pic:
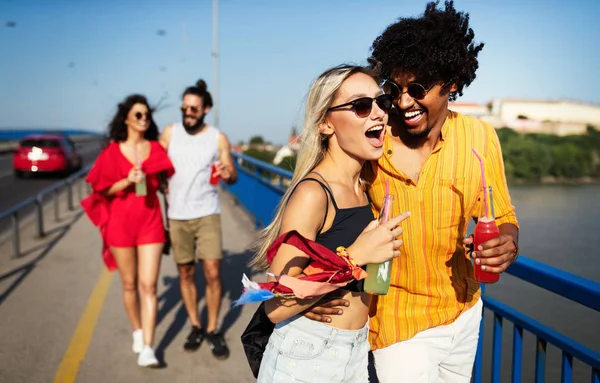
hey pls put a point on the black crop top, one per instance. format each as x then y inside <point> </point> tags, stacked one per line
<point>347,225</point>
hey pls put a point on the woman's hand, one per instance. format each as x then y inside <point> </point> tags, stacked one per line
<point>378,242</point>
<point>135,175</point>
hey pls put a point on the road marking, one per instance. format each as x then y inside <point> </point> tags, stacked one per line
<point>69,366</point>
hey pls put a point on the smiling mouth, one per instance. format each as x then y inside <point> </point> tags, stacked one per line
<point>374,132</point>
<point>375,135</point>
<point>413,114</point>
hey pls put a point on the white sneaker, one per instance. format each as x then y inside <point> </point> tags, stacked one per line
<point>138,341</point>
<point>147,358</point>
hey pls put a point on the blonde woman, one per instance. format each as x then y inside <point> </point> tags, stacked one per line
<point>344,126</point>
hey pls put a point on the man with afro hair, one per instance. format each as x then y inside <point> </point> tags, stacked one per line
<point>426,328</point>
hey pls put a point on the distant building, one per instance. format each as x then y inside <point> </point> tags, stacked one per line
<point>559,117</point>
<point>237,148</point>
<point>294,141</point>
<point>288,150</point>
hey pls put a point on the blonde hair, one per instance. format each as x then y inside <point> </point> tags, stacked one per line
<point>313,146</point>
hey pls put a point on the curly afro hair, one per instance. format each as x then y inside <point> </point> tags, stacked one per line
<point>437,47</point>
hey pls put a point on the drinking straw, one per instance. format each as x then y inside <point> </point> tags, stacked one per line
<point>485,198</point>
<point>386,200</point>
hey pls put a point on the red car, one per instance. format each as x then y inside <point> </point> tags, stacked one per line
<point>46,153</point>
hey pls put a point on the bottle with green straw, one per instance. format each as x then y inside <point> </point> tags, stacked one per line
<point>378,279</point>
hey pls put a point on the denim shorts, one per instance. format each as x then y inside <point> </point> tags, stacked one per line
<point>301,350</point>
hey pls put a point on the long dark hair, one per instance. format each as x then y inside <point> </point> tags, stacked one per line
<point>117,129</point>
<point>200,90</point>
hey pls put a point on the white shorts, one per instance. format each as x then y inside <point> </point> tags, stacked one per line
<point>443,354</point>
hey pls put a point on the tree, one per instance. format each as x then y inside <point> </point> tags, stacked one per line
<point>525,158</point>
<point>261,155</point>
<point>570,161</point>
<point>257,140</point>
<point>504,134</point>
<point>288,163</point>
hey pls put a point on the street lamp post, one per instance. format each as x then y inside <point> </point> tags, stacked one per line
<point>215,55</point>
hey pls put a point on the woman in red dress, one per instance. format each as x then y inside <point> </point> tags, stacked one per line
<point>125,206</point>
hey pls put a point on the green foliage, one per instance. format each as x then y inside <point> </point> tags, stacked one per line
<point>262,155</point>
<point>288,163</point>
<point>256,140</point>
<point>527,159</point>
<point>570,161</point>
<point>535,156</point>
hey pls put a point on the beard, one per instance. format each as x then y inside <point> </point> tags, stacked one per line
<point>418,133</point>
<point>414,133</point>
<point>192,127</point>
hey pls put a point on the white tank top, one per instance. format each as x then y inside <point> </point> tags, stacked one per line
<point>190,193</point>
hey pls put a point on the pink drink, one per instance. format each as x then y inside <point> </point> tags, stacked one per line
<point>485,230</point>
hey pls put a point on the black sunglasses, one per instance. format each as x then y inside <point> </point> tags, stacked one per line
<point>362,106</point>
<point>138,115</point>
<point>194,109</point>
<point>414,90</point>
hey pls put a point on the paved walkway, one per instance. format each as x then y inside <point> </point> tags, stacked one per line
<point>62,317</point>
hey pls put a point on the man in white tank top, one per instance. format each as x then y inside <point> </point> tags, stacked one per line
<point>200,153</point>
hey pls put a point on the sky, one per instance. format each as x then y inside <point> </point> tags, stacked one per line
<point>67,63</point>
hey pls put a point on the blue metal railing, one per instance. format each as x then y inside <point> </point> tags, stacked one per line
<point>260,187</point>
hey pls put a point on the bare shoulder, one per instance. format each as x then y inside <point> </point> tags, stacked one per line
<point>308,193</point>
<point>223,138</point>
<point>306,209</point>
<point>168,129</point>
<point>165,136</point>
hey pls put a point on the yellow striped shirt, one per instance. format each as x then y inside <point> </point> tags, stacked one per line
<point>432,281</point>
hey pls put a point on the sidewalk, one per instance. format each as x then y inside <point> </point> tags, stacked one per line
<point>45,303</point>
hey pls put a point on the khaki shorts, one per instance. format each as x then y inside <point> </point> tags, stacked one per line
<point>199,237</point>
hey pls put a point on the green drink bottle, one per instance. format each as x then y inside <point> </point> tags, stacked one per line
<point>378,279</point>
<point>140,187</point>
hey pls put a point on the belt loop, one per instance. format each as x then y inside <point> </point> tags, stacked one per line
<point>331,338</point>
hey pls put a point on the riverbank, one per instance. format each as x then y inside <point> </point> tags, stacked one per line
<point>555,181</point>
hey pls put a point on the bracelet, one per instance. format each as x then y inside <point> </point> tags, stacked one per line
<point>343,252</point>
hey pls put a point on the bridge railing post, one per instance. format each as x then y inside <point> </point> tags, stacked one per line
<point>80,189</point>
<point>16,236</point>
<point>56,207</point>
<point>39,204</point>
<point>69,184</point>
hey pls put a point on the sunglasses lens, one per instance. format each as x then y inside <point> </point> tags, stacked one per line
<point>139,115</point>
<point>385,102</point>
<point>362,106</point>
<point>391,88</point>
<point>416,91</point>
<point>193,109</point>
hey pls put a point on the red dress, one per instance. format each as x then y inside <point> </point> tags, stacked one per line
<point>125,219</point>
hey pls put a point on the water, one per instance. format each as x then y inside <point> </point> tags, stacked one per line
<point>560,226</point>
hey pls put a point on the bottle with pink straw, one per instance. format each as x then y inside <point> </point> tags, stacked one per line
<point>486,227</point>
<point>378,279</point>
